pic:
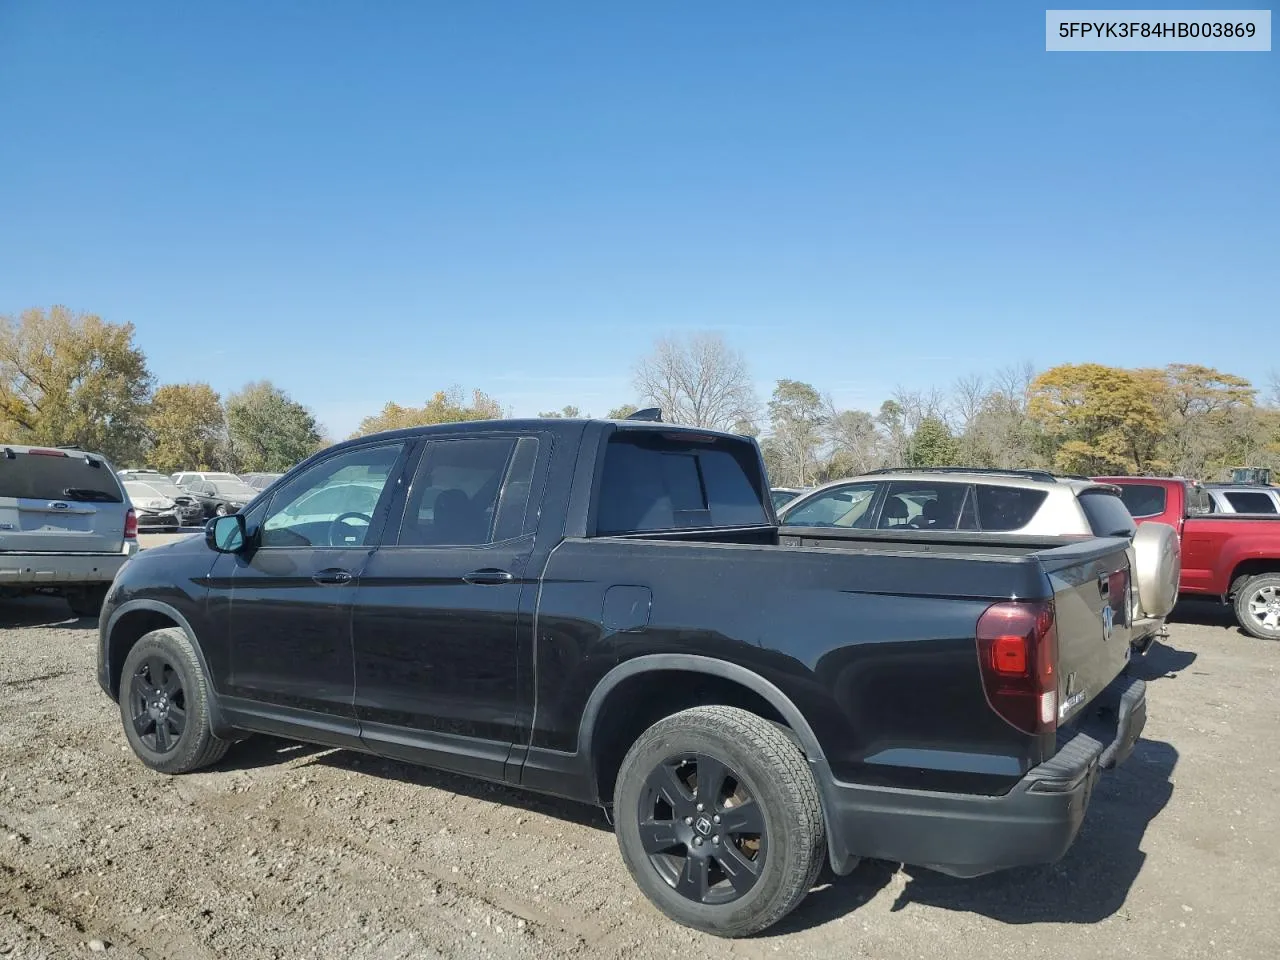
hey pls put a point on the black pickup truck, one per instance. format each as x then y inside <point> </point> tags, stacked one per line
<point>606,611</point>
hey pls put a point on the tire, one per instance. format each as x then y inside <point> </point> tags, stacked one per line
<point>220,510</point>
<point>87,601</point>
<point>659,822</point>
<point>1257,603</point>
<point>162,671</point>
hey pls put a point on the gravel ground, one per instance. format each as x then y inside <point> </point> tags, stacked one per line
<point>285,850</point>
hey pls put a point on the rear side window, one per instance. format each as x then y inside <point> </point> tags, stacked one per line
<point>1007,508</point>
<point>1108,516</point>
<point>1251,502</point>
<point>37,476</point>
<point>656,481</point>
<point>1143,499</point>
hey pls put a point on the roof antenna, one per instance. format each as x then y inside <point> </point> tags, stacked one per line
<point>652,414</point>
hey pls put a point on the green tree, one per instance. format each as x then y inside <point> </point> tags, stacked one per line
<point>569,412</point>
<point>792,449</point>
<point>72,379</point>
<point>1103,419</point>
<point>268,431</point>
<point>446,406</point>
<point>186,426</point>
<point>622,412</point>
<point>932,445</point>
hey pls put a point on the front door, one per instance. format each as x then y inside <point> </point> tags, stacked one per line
<point>436,615</point>
<point>289,616</point>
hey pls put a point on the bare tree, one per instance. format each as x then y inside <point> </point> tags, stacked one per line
<point>1275,388</point>
<point>856,445</point>
<point>967,397</point>
<point>699,380</point>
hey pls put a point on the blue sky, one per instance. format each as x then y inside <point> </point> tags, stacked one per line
<point>369,202</point>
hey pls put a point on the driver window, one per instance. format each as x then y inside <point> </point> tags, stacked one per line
<point>332,503</point>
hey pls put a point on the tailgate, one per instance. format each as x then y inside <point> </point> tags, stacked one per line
<point>54,502</point>
<point>1091,586</point>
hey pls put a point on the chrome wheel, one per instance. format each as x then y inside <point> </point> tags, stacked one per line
<point>1264,605</point>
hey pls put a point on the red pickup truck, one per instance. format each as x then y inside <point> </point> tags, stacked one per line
<point>1232,556</point>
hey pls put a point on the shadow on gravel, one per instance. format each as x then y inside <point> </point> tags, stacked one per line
<point>42,612</point>
<point>1093,880</point>
<point>579,813</point>
<point>1161,662</point>
<point>262,750</point>
<point>1205,613</point>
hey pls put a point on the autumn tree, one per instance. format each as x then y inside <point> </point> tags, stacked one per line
<point>1103,419</point>
<point>269,431</point>
<point>1204,412</point>
<point>792,449</point>
<point>699,380</point>
<point>186,428</point>
<point>72,379</point>
<point>446,406</point>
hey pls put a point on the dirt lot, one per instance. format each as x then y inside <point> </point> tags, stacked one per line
<point>285,851</point>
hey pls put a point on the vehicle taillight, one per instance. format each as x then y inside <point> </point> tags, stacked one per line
<point>131,525</point>
<point>1018,655</point>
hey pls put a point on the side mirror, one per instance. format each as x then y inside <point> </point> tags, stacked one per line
<point>226,534</point>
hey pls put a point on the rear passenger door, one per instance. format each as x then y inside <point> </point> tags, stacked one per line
<point>437,613</point>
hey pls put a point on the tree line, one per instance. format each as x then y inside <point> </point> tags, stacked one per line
<point>76,379</point>
<point>70,379</point>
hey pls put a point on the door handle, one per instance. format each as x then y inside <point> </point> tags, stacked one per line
<point>333,575</point>
<point>488,575</point>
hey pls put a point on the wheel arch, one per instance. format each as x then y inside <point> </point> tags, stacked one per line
<point>601,764</point>
<point>133,620</point>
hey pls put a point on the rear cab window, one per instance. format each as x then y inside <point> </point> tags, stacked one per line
<point>1107,514</point>
<point>654,480</point>
<point>57,476</point>
<point>1144,499</point>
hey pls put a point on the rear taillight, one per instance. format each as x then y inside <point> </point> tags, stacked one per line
<point>131,525</point>
<point>1018,654</point>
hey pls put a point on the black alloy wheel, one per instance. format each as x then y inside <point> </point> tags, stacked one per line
<point>703,831</point>
<point>158,704</point>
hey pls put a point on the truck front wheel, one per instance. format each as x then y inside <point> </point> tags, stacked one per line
<point>719,821</point>
<point>1258,606</point>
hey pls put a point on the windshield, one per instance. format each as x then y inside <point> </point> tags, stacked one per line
<point>143,491</point>
<point>161,485</point>
<point>234,488</point>
<point>57,477</point>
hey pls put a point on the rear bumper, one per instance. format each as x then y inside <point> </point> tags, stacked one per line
<point>967,835</point>
<point>29,570</point>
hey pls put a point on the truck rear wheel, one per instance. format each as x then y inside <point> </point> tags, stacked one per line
<point>719,821</point>
<point>1258,606</point>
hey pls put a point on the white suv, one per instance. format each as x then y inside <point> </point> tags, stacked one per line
<point>950,501</point>
<point>66,525</point>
